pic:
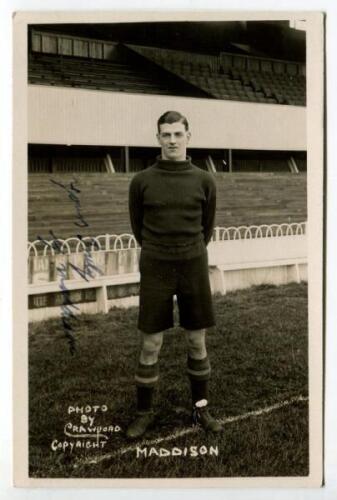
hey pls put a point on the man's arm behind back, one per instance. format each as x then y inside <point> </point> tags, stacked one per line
<point>209,208</point>
<point>136,207</point>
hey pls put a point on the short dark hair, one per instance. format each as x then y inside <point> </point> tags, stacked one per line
<point>172,117</point>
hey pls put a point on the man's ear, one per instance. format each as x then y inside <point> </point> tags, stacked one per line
<point>188,135</point>
<point>158,137</point>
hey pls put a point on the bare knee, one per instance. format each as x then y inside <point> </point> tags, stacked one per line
<point>151,345</point>
<point>196,343</point>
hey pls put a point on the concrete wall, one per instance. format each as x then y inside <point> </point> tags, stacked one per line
<point>59,115</point>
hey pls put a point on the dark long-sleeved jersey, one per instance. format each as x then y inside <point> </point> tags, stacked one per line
<point>172,208</point>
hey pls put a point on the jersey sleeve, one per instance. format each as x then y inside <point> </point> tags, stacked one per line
<point>209,208</point>
<point>136,208</point>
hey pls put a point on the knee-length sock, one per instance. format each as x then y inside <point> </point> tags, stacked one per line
<point>146,380</point>
<point>199,371</point>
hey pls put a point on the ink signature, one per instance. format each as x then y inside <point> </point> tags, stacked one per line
<point>68,308</point>
<point>72,190</point>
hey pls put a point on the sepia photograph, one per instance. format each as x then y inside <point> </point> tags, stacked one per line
<point>170,321</point>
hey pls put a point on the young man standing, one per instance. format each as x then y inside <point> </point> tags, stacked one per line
<point>172,211</point>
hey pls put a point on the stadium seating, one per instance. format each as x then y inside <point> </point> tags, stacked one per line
<point>224,80</point>
<point>243,199</point>
<point>66,71</point>
<point>58,61</point>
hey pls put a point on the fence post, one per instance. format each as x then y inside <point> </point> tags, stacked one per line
<point>298,275</point>
<point>217,233</point>
<point>223,281</point>
<point>102,299</point>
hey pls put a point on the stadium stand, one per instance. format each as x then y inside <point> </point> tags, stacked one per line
<point>254,186</point>
<point>243,199</point>
<point>95,64</point>
<point>59,159</point>
<point>229,76</point>
<point>67,71</point>
<point>253,97</point>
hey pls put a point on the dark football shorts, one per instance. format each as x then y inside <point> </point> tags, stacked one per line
<point>161,279</point>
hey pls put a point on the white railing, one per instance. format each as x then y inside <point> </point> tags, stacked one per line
<point>261,231</point>
<point>126,241</point>
<point>106,264</point>
<point>105,242</point>
<point>248,255</point>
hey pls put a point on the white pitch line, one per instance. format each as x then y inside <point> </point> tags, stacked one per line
<point>183,432</point>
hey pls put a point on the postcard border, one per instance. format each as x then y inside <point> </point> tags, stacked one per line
<point>315,136</point>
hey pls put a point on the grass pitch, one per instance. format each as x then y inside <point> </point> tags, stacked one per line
<point>258,353</point>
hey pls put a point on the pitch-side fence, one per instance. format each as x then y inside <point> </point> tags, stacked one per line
<point>93,274</point>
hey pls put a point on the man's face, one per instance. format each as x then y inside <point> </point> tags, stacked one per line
<point>173,138</point>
